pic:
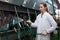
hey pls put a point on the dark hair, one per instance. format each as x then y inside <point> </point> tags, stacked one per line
<point>45,5</point>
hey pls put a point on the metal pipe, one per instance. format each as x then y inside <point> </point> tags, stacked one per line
<point>18,33</point>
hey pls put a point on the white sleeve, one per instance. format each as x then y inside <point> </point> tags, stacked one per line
<point>35,23</point>
<point>52,23</point>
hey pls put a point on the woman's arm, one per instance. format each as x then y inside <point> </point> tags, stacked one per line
<point>34,24</point>
<point>52,23</point>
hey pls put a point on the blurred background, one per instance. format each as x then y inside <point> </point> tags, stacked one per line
<point>13,12</point>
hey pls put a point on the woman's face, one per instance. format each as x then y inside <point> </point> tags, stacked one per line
<point>42,8</point>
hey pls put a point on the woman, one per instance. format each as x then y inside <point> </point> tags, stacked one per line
<point>44,22</point>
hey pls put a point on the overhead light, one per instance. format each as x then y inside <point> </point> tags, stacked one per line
<point>7,0</point>
<point>24,2</point>
<point>34,5</point>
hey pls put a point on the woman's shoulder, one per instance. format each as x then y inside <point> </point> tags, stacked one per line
<point>49,15</point>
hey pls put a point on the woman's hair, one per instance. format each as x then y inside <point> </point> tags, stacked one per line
<point>45,5</point>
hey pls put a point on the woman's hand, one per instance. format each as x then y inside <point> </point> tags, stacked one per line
<point>45,32</point>
<point>27,22</point>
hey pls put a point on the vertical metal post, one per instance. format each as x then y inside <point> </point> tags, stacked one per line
<point>28,14</point>
<point>29,19</point>
<point>6,35</point>
<point>18,33</point>
<point>53,8</point>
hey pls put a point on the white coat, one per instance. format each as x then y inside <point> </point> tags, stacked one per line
<point>44,22</point>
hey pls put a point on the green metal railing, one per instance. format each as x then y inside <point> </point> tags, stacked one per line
<point>2,30</point>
